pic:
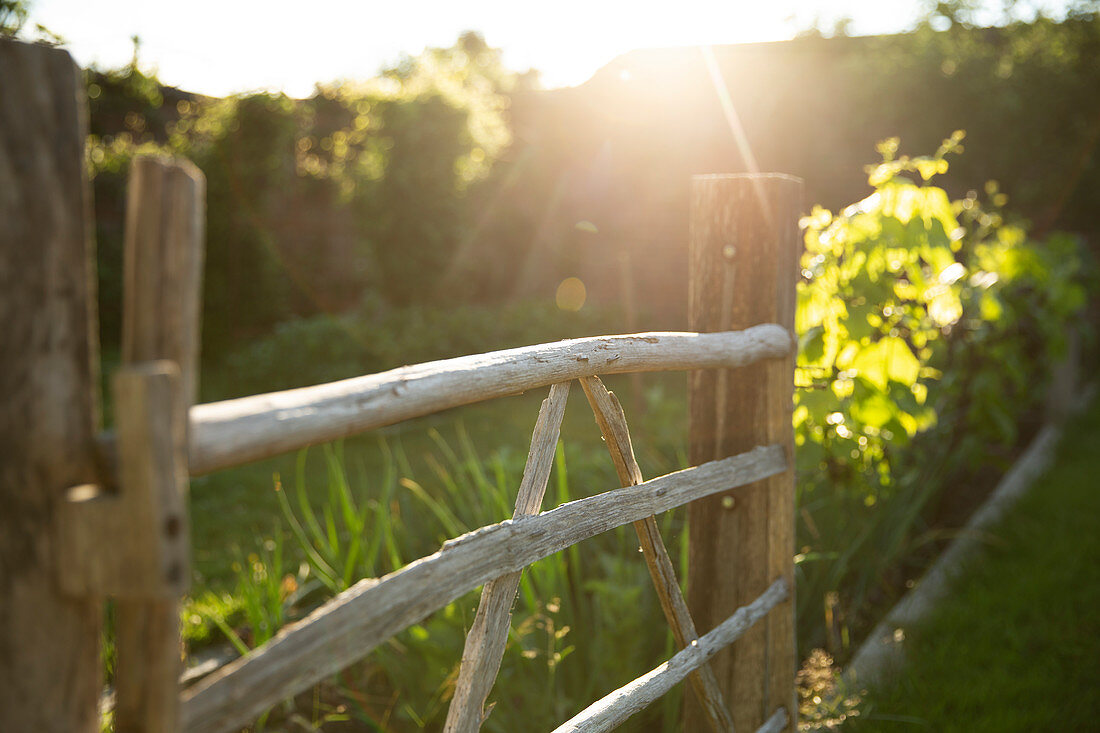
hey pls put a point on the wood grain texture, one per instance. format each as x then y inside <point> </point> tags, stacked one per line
<point>365,615</point>
<point>488,636</point>
<point>744,245</point>
<point>233,432</point>
<point>164,251</point>
<point>49,389</point>
<point>614,708</point>
<point>612,422</point>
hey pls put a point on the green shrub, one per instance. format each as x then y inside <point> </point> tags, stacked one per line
<point>929,329</point>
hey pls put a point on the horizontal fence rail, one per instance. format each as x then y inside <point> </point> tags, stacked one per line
<point>611,710</point>
<point>233,432</point>
<point>361,618</point>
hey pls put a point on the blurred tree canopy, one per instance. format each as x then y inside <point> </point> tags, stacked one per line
<point>619,151</point>
<point>448,177</point>
<point>312,202</point>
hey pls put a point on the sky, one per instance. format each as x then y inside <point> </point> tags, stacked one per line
<point>218,47</point>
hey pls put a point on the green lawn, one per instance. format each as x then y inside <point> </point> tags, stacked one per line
<point>1017,646</point>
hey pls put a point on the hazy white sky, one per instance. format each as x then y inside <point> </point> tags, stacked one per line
<point>221,46</point>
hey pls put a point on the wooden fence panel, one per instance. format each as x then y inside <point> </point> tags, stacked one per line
<point>49,410</point>
<point>356,621</point>
<point>57,552</point>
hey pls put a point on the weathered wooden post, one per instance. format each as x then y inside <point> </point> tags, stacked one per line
<point>162,292</point>
<point>49,390</point>
<point>128,536</point>
<point>744,247</point>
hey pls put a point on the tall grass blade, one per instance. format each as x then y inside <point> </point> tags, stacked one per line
<point>316,534</point>
<point>451,524</point>
<point>320,566</point>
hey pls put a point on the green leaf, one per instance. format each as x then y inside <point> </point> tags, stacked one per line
<point>875,411</point>
<point>818,402</point>
<point>889,359</point>
<point>812,345</point>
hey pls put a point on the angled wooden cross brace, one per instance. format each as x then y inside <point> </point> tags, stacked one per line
<point>612,421</point>
<point>487,638</point>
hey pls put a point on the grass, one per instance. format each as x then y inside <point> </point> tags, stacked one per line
<point>1017,646</point>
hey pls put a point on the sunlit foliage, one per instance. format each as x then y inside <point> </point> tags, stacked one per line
<point>311,202</point>
<point>881,282</point>
<point>929,327</point>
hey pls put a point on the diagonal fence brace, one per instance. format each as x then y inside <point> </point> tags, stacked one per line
<point>487,638</point>
<point>612,421</point>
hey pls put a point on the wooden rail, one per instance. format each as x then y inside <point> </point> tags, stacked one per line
<point>777,722</point>
<point>368,613</point>
<point>234,432</point>
<point>611,710</point>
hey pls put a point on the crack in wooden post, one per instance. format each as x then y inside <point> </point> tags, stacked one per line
<point>487,638</point>
<point>612,421</point>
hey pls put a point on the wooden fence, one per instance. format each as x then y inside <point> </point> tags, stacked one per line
<point>90,514</point>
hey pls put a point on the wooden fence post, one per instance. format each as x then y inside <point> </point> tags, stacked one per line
<point>744,246</point>
<point>162,271</point>
<point>49,389</point>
